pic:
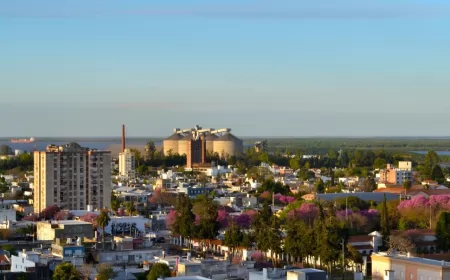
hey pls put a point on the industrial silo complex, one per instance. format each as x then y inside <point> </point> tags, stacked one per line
<point>219,141</point>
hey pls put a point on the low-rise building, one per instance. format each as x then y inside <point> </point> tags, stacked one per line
<point>25,261</point>
<point>397,175</point>
<point>7,212</point>
<point>288,274</point>
<point>64,229</point>
<point>72,252</point>
<point>408,267</point>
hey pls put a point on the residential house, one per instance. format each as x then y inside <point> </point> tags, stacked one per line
<point>402,267</point>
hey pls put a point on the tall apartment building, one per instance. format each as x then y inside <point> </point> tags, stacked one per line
<point>72,177</point>
<point>396,176</point>
<point>127,166</point>
<point>196,151</point>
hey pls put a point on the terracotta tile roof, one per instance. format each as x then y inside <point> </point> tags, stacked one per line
<point>3,259</point>
<point>359,238</point>
<point>436,192</point>
<point>393,190</point>
<point>417,187</point>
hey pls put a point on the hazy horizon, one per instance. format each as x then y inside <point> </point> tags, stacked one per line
<point>298,68</point>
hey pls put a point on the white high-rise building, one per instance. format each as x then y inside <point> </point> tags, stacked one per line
<point>72,177</point>
<point>127,166</point>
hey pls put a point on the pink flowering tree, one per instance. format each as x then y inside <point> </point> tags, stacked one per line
<point>90,218</point>
<point>266,195</point>
<point>363,221</point>
<point>222,218</point>
<point>244,220</point>
<point>170,218</point>
<point>257,256</point>
<point>415,213</point>
<point>252,214</point>
<point>307,212</point>
<point>63,215</point>
<point>278,197</point>
<point>49,212</point>
<point>285,199</point>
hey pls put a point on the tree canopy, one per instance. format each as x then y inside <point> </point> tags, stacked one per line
<point>66,271</point>
<point>159,270</point>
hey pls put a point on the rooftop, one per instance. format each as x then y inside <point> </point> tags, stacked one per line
<point>187,278</point>
<point>413,259</point>
<point>71,222</point>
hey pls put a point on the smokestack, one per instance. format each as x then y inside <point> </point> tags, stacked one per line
<point>123,138</point>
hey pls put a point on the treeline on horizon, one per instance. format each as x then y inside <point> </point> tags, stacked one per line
<point>355,153</point>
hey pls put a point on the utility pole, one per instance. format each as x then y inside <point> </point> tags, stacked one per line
<point>343,258</point>
<point>430,215</point>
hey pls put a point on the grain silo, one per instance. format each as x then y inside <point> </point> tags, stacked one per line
<point>219,141</point>
<point>171,144</point>
<point>210,138</point>
<point>228,145</point>
<point>183,143</point>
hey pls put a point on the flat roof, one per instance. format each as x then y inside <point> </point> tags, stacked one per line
<point>413,259</point>
<point>70,222</point>
<point>188,278</point>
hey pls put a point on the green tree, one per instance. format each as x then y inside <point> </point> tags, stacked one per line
<point>6,150</point>
<point>353,254</point>
<point>437,174</point>
<point>207,210</point>
<point>9,248</point>
<point>150,150</point>
<point>264,157</point>
<point>105,272</point>
<point>431,159</point>
<point>22,276</point>
<point>294,163</point>
<point>234,237</point>
<point>443,231</point>
<point>297,244</point>
<point>274,187</point>
<point>319,186</point>
<point>66,271</point>
<point>260,227</point>
<point>130,208</point>
<point>384,223</point>
<point>407,184</point>
<point>328,235</point>
<point>142,170</point>
<point>184,223</point>
<point>274,237</point>
<point>159,270</point>
<point>103,220</point>
<point>115,203</point>
<point>379,163</point>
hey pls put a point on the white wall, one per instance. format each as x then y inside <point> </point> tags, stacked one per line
<point>7,214</point>
<point>20,263</point>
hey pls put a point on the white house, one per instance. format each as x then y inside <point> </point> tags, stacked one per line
<point>7,212</point>
<point>25,261</point>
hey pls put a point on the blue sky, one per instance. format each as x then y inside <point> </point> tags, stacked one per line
<point>260,67</point>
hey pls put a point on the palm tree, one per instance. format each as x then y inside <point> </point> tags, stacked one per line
<point>129,206</point>
<point>102,221</point>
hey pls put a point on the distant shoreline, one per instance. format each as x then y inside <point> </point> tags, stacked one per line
<point>144,139</point>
